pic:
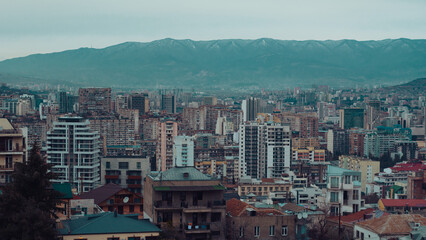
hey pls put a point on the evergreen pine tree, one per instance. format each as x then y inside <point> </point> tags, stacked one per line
<point>28,203</point>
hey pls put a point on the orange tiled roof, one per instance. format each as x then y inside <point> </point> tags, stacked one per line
<point>354,217</point>
<point>392,224</point>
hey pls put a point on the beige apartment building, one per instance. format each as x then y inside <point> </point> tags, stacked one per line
<point>13,149</point>
<point>367,167</point>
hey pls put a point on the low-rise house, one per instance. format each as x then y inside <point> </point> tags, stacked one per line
<point>388,226</point>
<point>245,221</point>
<point>108,225</point>
<point>187,202</point>
<point>112,197</point>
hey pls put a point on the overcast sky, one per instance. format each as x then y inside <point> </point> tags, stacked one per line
<point>40,26</point>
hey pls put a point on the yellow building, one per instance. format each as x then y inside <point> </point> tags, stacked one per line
<point>13,143</point>
<point>367,167</point>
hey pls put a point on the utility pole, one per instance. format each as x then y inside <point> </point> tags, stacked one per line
<point>339,218</point>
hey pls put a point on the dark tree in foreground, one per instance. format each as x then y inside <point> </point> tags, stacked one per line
<point>28,204</point>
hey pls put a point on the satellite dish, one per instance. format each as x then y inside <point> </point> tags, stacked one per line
<point>305,215</point>
<point>299,216</point>
<point>126,199</point>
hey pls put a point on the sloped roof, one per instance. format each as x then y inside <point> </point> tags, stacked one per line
<point>107,223</point>
<point>408,167</point>
<point>392,224</point>
<point>293,207</point>
<point>354,217</point>
<point>177,174</point>
<point>404,202</point>
<point>102,193</point>
<point>237,208</point>
<point>64,189</point>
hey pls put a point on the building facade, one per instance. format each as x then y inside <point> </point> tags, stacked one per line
<point>73,149</point>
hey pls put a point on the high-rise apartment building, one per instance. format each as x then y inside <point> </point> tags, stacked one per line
<point>338,141</point>
<point>265,149</point>
<point>94,101</point>
<point>74,152</point>
<point>372,114</point>
<point>167,132</point>
<point>308,127</point>
<point>139,101</point>
<point>351,118</point>
<point>183,151</point>
<point>168,103</point>
<point>250,107</point>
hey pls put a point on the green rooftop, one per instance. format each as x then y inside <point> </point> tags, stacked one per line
<point>336,171</point>
<point>64,189</point>
<point>107,223</point>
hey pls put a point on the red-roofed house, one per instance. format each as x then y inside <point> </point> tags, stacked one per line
<point>347,222</point>
<point>112,197</point>
<point>247,222</point>
<point>403,205</point>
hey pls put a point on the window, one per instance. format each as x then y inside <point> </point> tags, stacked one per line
<point>107,165</point>
<point>241,231</point>
<point>362,236</point>
<point>123,165</point>
<point>216,216</point>
<point>113,238</point>
<point>256,231</point>
<point>334,196</point>
<point>357,234</point>
<point>272,230</point>
<point>284,230</point>
<point>9,162</point>
<point>138,165</point>
<point>133,238</point>
<point>347,179</point>
<point>183,196</point>
<point>355,195</point>
<point>334,182</point>
<point>131,208</point>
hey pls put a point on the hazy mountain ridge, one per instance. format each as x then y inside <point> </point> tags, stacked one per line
<point>229,63</point>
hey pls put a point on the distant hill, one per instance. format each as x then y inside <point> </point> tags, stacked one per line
<point>266,63</point>
<point>415,86</point>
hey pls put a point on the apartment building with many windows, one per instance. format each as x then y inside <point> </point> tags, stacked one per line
<point>73,149</point>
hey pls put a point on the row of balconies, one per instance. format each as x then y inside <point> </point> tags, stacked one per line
<point>185,204</point>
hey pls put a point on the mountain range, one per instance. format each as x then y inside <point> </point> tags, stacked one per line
<point>226,64</point>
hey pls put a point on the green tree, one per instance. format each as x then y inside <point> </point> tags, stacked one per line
<point>28,203</point>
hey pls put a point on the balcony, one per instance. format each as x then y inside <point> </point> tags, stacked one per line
<point>166,205</point>
<point>134,185</point>
<point>134,177</point>
<point>112,176</point>
<point>13,151</point>
<point>5,168</point>
<point>194,229</point>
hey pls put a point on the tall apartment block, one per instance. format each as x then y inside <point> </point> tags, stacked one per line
<point>250,107</point>
<point>183,151</point>
<point>73,149</point>
<point>13,149</point>
<point>265,149</point>
<point>372,114</point>
<point>338,141</point>
<point>139,101</point>
<point>167,131</point>
<point>351,118</point>
<point>308,127</point>
<point>168,103</point>
<point>94,101</point>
